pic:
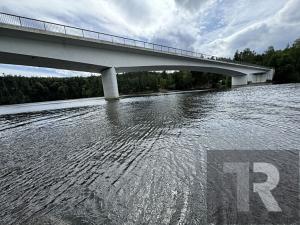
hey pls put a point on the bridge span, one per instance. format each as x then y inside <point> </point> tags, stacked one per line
<point>30,42</point>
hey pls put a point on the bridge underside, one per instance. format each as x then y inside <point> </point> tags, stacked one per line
<point>109,78</point>
<point>26,60</point>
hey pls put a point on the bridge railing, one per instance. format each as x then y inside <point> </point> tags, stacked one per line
<point>25,22</point>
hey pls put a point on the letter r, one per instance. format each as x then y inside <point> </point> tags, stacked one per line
<point>264,189</point>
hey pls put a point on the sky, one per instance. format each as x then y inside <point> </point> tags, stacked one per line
<point>216,27</point>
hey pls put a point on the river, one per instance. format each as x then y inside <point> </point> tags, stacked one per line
<point>140,160</point>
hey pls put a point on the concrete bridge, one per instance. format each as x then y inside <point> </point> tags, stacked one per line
<point>30,42</point>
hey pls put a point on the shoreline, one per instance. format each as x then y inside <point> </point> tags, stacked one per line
<point>22,108</point>
<point>142,94</point>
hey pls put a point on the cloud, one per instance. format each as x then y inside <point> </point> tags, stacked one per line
<point>209,26</point>
<point>191,5</point>
<point>279,29</point>
<point>290,13</point>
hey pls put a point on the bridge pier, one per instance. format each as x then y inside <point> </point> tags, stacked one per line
<point>270,75</point>
<point>261,78</point>
<point>239,81</point>
<point>253,78</point>
<point>110,84</point>
<point>256,79</point>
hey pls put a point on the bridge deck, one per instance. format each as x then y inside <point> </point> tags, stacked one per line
<point>28,24</point>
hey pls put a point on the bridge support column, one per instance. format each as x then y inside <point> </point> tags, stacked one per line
<point>110,84</point>
<point>239,81</point>
<point>270,75</point>
<point>262,78</point>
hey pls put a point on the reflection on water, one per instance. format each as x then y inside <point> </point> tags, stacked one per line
<point>135,161</point>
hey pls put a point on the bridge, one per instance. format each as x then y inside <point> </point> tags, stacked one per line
<point>31,42</point>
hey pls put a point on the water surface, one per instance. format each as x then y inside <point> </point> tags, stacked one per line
<point>135,161</point>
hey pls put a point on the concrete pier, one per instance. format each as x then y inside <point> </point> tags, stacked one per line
<point>110,84</point>
<point>239,81</point>
<point>256,79</point>
<point>253,78</point>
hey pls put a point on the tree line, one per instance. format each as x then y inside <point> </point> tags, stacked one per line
<point>18,89</point>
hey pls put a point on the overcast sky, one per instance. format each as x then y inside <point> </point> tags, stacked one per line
<point>217,27</point>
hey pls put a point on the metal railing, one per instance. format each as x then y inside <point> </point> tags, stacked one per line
<point>25,22</point>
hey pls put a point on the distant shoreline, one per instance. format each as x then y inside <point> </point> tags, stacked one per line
<point>77,103</point>
<point>102,97</point>
<point>168,92</point>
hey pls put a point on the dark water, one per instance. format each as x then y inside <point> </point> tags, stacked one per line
<point>134,161</point>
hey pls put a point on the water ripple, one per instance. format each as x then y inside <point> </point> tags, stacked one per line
<point>135,161</point>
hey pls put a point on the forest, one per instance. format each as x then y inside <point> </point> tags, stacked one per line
<point>18,89</point>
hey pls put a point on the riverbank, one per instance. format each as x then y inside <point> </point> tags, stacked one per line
<point>77,103</point>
